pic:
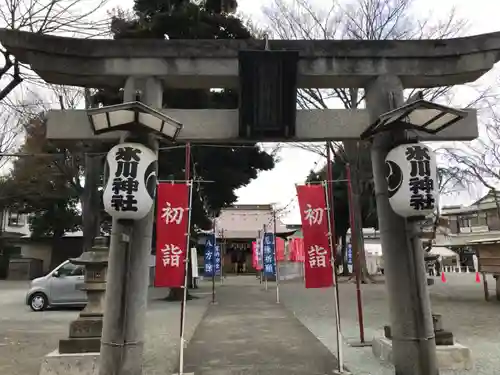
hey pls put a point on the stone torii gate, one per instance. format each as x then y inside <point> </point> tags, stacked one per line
<point>382,68</point>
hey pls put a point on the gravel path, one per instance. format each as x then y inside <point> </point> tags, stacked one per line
<point>474,322</point>
<point>161,352</point>
<point>25,336</point>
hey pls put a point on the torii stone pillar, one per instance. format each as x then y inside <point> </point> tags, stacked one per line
<point>122,341</point>
<point>413,341</point>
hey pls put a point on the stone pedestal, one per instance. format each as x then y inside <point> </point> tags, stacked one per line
<point>449,357</point>
<point>79,353</point>
<point>85,332</point>
<point>442,337</point>
<point>56,363</point>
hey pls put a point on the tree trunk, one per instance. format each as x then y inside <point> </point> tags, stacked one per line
<point>90,197</point>
<point>353,151</point>
<point>427,246</point>
<point>90,201</point>
<point>177,294</point>
<point>56,239</point>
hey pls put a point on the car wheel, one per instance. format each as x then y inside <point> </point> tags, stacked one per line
<point>38,302</point>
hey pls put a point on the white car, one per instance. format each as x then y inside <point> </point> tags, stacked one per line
<point>60,287</point>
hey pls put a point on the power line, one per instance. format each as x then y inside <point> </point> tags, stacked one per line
<point>62,154</point>
<point>166,148</point>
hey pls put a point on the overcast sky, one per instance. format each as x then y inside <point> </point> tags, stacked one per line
<point>278,185</point>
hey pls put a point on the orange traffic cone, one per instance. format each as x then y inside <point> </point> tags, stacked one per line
<point>443,277</point>
<point>478,278</point>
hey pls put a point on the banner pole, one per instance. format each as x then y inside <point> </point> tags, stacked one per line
<point>213,260</point>
<point>221,249</point>
<point>276,259</point>
<point>329,199</point>
<point>187,176</point>
<point>303,271</point>
<point>184,298</point>
<point>331,216</point>
<point>340,353</point>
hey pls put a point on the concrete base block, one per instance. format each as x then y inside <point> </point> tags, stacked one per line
<point>359,344</point>
<point>80,345</point>
<point>449,357</point>
<point>56,363</point>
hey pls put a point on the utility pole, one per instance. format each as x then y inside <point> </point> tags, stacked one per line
<point>413,342</point>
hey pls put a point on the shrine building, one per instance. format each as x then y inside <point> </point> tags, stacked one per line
<point>236,228</point>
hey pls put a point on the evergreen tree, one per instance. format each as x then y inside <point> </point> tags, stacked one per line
<point>228,167</point>
<point>41,186</point>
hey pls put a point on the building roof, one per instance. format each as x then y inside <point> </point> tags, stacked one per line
<point>487,202</point>
<point>489,197</point>
<point>466,239</point>
<point>491,240</point>
<point>77,233</point>
<point>245,221</point>
<point>443,252</point>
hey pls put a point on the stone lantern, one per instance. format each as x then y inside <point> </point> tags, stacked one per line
<point>85,332</point>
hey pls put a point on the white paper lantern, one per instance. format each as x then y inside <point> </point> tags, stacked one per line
<point>131,185</point>
<point>411,174</point>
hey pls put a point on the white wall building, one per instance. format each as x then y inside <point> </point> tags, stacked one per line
<point>14,223</point>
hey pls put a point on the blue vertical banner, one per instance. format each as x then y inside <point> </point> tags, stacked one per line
<point>268,254</point>
<point>349,258</point>
<point>212,257</point>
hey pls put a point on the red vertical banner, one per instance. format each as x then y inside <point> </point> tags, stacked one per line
<point>300,250</point>
<point>255,260</point>
<point>296,250</point>
<point>171,234</point>
<point>280,249</point>
<point>292,250</point>
<point>313,213</point>
<point>257,257</point>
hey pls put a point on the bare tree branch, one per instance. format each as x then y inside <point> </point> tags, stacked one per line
<point>355,19</point>
<point>80,18</point>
